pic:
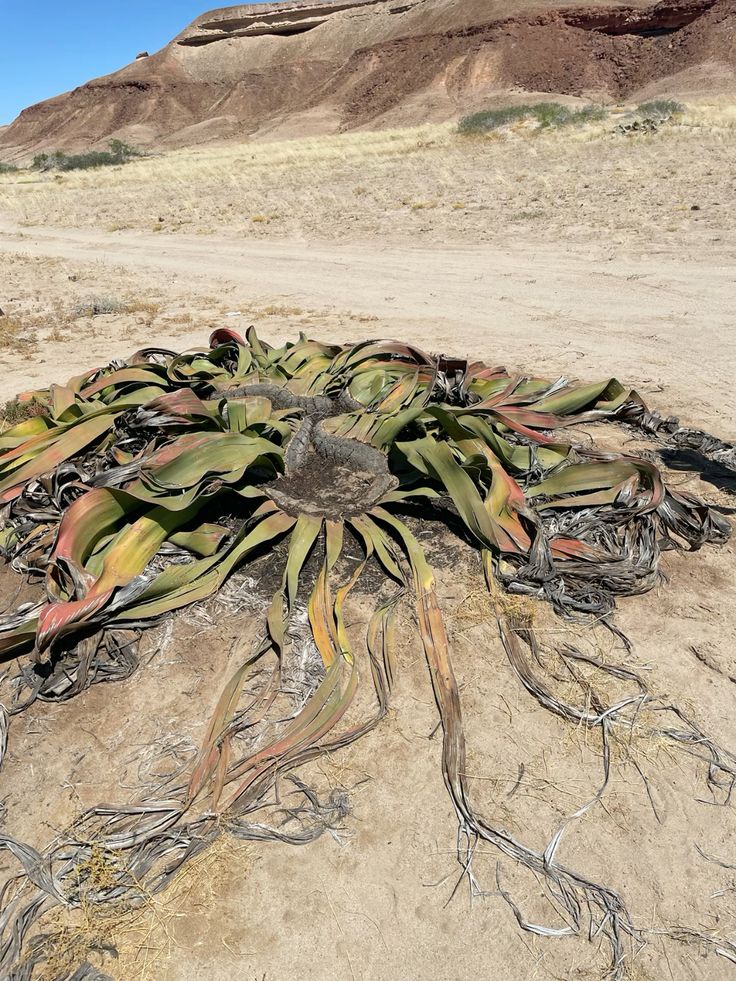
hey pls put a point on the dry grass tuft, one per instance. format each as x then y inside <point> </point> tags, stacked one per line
<point>641,746</point>
<point>16,411</point>
<point>98,872</point>
<point>280,310</point>
<point>480,607</point>
<point>151,308</point>
<point>16,334</point>
<point>475,608</point>
<point>71,946</point>
<point>143,937</point>
<point>518,610</point>
<point>100,306</point>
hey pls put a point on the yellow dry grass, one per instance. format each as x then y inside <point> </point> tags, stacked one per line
<point>426,181</point>
<point>480,607</point>
<point>145,937</point>
<point>12,331</point>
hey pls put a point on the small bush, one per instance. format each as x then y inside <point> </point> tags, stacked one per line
<point>490,119</point>
<point>546,114</point>
<point>87,161</point>
<point>96,306</point>
<point>8,169</point>
<point>123,151</point>
<point>660,109</point>
<point>119,153</point>
<point>553,114</point>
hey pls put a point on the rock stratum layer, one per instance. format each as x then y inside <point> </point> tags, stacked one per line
<point>302,68</point>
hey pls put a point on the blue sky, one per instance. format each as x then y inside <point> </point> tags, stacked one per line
<point>51,46</point>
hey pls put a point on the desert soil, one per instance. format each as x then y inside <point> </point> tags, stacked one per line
<point>376,902</point>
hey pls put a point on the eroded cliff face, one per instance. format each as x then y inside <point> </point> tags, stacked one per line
<point>275,20</point>
<point>318,67</point>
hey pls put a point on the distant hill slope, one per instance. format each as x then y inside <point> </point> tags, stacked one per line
<point>305,67</point>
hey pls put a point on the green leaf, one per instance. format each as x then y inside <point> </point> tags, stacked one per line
<point>584,477</point>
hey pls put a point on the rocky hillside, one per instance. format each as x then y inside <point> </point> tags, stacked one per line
<point>304,67</point>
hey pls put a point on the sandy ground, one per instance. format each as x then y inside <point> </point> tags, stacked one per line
<point>378,904</point>
<point>661,319</point>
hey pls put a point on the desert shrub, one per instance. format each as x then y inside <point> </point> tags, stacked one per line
<point>48,161</point>
<point>660,110</point>
<point>546,114</point>
<point>96,306</point>
<point>490,119</point>
<point>119,153</point>
<point>86,161</point>
<point>123,151</point>
<point>549,114</point>
<point>8,168</point>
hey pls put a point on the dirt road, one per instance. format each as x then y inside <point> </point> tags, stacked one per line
<point>661,320</point>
